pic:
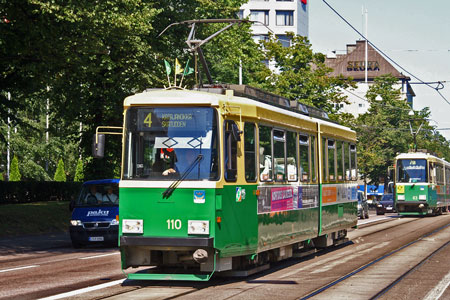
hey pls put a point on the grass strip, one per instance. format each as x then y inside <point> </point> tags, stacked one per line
<point>34,218</point>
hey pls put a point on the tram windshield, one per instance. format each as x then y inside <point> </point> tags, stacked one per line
<point>412,170</point>
<point>163,143</point>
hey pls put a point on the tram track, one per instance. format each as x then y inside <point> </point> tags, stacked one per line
<point>374,262</point>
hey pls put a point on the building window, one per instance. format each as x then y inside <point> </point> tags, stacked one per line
<point>241,14</point>
<point>285,18</point>
<point>284,40</point>
<point>261,16</point>
<point>260,38</point>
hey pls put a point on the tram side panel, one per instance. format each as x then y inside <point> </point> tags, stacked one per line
<point>339,204</point>
<point>286,215</point>
<point>236,222</point>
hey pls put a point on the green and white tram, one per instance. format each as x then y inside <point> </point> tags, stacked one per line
<point>230,177</point>
<point>422,184</point>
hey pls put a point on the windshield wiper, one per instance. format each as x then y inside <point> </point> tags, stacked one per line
<point>168,192</point>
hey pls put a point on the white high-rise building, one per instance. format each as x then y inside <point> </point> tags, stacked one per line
<point>280,16</point>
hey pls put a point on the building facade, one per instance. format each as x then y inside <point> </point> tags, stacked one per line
<point>352,64</point>
<point>280,16</point>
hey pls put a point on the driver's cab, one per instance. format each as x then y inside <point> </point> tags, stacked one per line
<point>95,213</point>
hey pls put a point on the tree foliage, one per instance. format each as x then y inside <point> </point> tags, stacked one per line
<point>79,173</point>
<point>60,174</point>
<point>384,131</point>
<point>300,74</point>
<point>14,174</point>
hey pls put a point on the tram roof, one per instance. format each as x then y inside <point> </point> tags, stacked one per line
<point>419,155</point>
<point>213,95</point>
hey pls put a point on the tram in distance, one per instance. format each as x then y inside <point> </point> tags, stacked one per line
<point>229,178</point>
<point>422,184</point>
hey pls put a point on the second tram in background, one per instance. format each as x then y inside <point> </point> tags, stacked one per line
<point>422,184</point>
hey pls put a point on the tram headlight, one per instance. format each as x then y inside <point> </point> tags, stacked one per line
<point>422,197</point>
<point>401,197</point>
<point>75,223</point>
<point>132,226</point>
<point>198,227</point>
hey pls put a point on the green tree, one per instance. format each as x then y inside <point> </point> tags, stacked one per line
<point>60,174</point>
<point>383,131</point>
<point>79,174</point>
<point>15,173</point>
<point>301,75</point>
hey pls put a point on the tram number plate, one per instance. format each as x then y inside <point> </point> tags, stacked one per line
<point>96,239</point>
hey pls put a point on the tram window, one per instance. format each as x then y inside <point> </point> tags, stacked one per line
<point>340,163</point>
<point>312,143</point>
<point>291,152</point>
<point>230,150</point>
<point>324,160</point>
<point>353,162</point>
<point>304,157</point>
<point>158,149</point>
<point>447,176</point>
<point>250,152</point>
<point>440,174</point>
<point>346,158</point>
<point>279,154</point>
<point>331,160</point>
<point>265,153</point>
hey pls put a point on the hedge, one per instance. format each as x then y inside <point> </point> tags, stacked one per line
<point>34,191</point>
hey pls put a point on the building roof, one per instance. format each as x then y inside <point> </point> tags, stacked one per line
<point>352,64</point>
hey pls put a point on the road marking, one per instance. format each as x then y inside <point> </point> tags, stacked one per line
<point>101,255</point>
<point>84,290</point>
<point>439,289</point>
<point>19,268</point>
<point>371,221</point>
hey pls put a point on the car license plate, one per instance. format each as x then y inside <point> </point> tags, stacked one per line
<point>389,208</point>
<point>96,239</point>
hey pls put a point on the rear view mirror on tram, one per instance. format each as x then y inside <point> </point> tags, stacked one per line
<point>236,132</point>
<point>98,146</point>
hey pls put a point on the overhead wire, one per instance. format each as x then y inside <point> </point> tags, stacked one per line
<point>439,86</point>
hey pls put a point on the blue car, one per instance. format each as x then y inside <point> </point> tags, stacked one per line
<point>386,205</point>
<point>95,214</point>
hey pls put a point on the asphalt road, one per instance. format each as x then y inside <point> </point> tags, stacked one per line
<point>53,268</point>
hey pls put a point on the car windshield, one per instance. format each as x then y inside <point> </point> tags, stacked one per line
<point>163,143</point>
<point>106,194</point>
<point>387,197</point>
<point>411,170</point>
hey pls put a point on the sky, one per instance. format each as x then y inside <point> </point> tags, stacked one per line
<point>413,33</point>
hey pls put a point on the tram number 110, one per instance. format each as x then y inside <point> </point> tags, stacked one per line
<point>173,224</point>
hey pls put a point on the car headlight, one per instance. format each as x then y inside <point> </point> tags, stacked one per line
<point>75,223</point>
<point>114,222</point>
<point>132,226</point>
<point>198,227</point>
<point>422,197</point>
<point>379,205</point>
<point>400,197</point>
